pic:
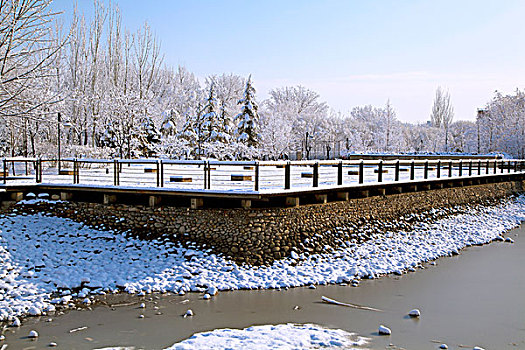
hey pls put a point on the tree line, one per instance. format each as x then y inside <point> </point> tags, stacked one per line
<point>118,98</point>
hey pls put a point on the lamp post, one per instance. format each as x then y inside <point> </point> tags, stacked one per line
<point>59,137</point>
<point>67,126</point>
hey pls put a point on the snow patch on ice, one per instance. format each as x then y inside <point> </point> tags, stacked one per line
<point>284,336</point>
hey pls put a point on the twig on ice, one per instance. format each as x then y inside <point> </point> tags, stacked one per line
<point>335,302</point>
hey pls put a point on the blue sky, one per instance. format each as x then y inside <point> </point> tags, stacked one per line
<point>351,52</point>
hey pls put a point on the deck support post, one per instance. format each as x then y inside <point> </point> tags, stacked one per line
<point>321,198</point>
<point>196,203</point>
<point>342,196</point>
<point>66,196</point>
<point>292,201</point>
<point>17,196</point>
<point>246,203</point>
<point>109,198</point>
<point>154,201</point>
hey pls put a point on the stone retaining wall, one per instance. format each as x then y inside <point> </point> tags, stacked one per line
<point>259,236</point>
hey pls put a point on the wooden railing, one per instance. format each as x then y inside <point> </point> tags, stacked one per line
<point>245,176</point>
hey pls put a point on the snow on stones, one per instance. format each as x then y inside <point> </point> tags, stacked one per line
<point>54,261</point>
<point>383,330</point>
<point>283,336</point>
<point>188,313</point>
<point>414,313</point>
<point>33,334</point>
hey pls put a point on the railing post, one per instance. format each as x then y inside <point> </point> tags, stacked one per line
<point>502,166</point>
<point>158,173</point>
<point>316,175</point>
<point>396,175</point>
<point>161,173</point>
<point>256,185</point>
<point>438,170</point>
<point>380,171</point>
<point>5,171</point>
<point>115,172</point>
<point>479,167</point>
<point>340,173</point>
<point>470,168</point>
<point>287,176</point>
<point>74,171</point>
<point>487,167</point>
<point>495,167</point>
<point>39,167</point>
<point>508,167</point>
<point>425,172</point>
<point>209,175</point>
<point>450,169</point>
<point>361,172</point>
<point>515,166</point>
<point>461,168</point>
<point>205,175</point>
<point>412,170</point>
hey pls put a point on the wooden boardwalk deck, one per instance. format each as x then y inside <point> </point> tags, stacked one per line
<point>245,183</point>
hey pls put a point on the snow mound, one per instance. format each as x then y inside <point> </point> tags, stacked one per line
<point>283,336</point>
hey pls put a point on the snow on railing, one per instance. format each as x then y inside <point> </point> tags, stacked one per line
<point>245,176</point>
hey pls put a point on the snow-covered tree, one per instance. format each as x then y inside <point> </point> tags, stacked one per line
<point>442,113</point>
<point>148,138</point>
<point>248,119</point>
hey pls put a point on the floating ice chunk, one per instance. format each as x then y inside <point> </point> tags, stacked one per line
<point>414,313</point>
<point>509,240</point>
<point>206,296</point>
<point>33,334</point>
<point>188,313</point>
<point>443,346</point>
<point>478,348</point>
<point>52,344</point>
<point>384,330</point>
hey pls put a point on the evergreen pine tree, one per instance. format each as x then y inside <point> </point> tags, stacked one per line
<point>210,118</point>
<point>248,120</point>
<point>148,137</point>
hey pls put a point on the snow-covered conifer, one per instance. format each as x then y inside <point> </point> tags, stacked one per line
<point>248,120</point>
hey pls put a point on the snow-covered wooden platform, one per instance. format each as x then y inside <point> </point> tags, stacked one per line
<point>269,183</point>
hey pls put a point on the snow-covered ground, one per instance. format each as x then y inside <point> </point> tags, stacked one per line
<point>283,336</point>
<point>47,260</point>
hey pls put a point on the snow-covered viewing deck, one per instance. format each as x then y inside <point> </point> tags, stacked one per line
<point>253,180</point>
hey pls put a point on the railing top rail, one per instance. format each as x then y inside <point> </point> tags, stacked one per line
<point>19,159</point>
<point>367,161</point>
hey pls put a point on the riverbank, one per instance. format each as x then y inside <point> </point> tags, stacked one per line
<point>471,299</point>
<point>51,263</point>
